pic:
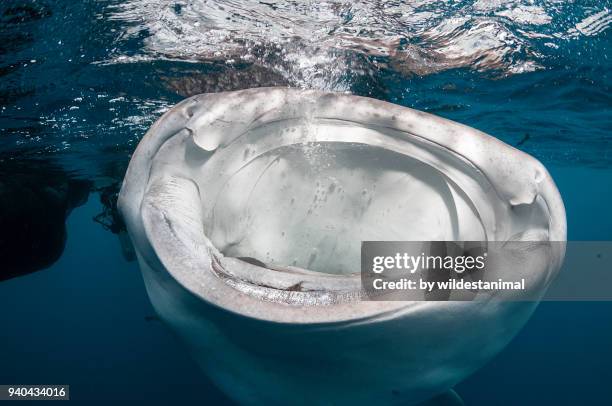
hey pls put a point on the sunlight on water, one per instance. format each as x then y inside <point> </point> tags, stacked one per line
<point>533,73</point>
<point>301,40</point>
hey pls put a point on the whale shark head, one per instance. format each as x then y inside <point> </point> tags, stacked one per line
<point>247,211</point>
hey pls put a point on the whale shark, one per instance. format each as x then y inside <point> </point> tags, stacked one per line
<point>247,210</point>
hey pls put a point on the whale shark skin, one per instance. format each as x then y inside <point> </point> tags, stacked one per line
<point>247,209</point>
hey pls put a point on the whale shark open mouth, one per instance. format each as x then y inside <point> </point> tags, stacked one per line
<point>255,203</point>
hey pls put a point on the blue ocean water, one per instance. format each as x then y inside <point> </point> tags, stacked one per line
<point>80,83</point>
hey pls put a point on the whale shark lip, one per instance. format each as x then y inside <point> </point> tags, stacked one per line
<point>184,164</point>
